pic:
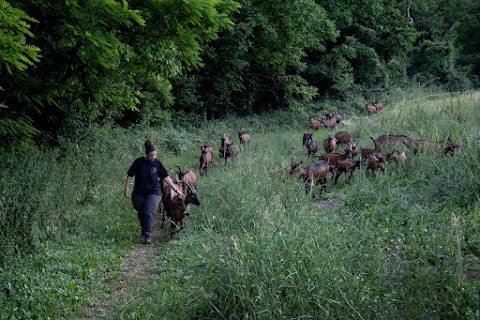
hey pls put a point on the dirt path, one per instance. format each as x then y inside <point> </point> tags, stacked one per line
<point>135,267</point>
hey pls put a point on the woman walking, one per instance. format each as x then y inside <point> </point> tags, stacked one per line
<point>149,173</point>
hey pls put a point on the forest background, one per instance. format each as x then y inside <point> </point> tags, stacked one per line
<point>65,65</point>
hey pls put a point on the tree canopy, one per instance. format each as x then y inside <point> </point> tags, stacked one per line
<point>72,63</point>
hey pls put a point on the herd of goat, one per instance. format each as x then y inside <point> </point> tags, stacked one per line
<point>331,161</point>
<point>176,208</point>
<point>347,162</point>
<point>353,156</point>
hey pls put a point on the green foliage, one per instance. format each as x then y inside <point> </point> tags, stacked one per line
<point>16,54</point>
<point>17,130</point>
<point>102,59</point>
<point>469,47</point>
<point>370,52</point>
<point>465,40</point>
<point>433,63</point>
<point>255,66</point>
<point>59,280</point>
<point>431,57</point>
<point>435,18</point>
<point>442,24</point>
<point>148,61</point>
<point>171,43</point>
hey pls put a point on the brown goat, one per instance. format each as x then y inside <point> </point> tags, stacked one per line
<point>333,158</point>
<point>206,159</point>
<point>330,144</point>
<point>352,148</point>
<point>313,174</point>
<point>452,149</point>
<point>244,138</point>
<point>344,166</point>
<point>394,139</point>
<point>314,124</point>
<point>378,105</point>
<point>422,145</point>
<point>175,208</point>
<point>337,116</point>
<point>397,156</point>
<point>367,151</point>
<point>227,140</point>
<point>187,177</point>
<point>329,123</point>
<point>371,109</point>
<point>227,148</point>
<point>343,137</point>
<point>376,162</point>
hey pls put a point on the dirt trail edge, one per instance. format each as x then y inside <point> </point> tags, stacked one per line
<point>135,267</point>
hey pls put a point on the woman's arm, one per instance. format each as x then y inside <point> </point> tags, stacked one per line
<point>126,192</point>
<point>172,185</point>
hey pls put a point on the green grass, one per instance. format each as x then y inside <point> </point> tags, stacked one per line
<point>396,247</point>
<point>402,246</point>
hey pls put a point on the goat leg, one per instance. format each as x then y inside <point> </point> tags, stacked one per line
<point>337,176</point>
<point>351,175</point>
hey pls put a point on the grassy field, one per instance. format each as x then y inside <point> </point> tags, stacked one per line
<point>404,245</point>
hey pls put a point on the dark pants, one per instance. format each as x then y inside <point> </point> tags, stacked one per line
<point>146,206</point>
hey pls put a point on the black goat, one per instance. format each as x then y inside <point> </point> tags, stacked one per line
<point>306,137</point>
<point>312,147</point>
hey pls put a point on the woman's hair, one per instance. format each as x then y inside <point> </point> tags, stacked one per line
<point>149,147</point>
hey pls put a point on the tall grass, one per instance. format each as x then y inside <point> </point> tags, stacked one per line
<point>395,247</point>
<point>403,245</point>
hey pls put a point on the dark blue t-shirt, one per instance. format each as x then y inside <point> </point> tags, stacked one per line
<point>147,174</point>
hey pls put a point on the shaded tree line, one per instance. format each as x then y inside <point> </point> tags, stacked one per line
<point>66,64</point>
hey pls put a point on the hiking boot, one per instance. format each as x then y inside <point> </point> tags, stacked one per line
<point>148,239</point>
